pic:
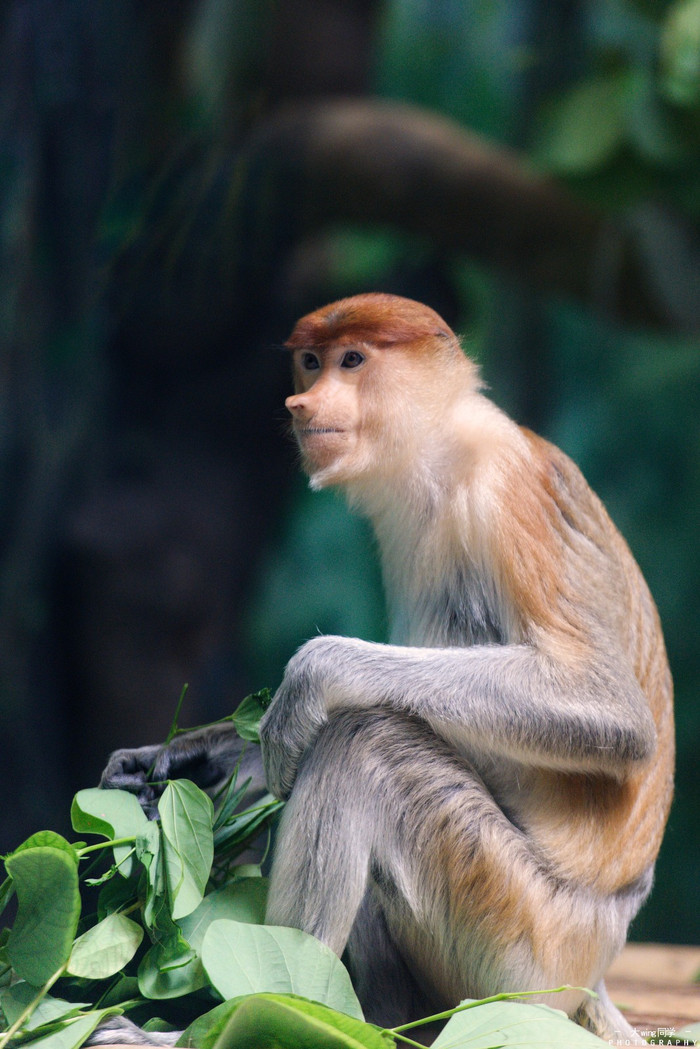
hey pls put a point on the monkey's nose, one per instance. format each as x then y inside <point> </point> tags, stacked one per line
<point>295,403</point>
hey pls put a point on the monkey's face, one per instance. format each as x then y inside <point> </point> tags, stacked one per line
<point>329,418</point>
<point>367,414</point>
<point>374,376</point>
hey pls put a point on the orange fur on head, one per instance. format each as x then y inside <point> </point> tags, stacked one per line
<point>376,318</point>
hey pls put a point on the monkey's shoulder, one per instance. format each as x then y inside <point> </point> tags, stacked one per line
<point>567,499</point>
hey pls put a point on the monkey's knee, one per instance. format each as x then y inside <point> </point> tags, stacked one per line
<point>354,754</point>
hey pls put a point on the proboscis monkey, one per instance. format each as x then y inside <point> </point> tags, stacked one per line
<point>477,806</point>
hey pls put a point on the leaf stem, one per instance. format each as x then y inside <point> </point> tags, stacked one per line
<point>407,1041</point>
<point>104,845</point>
<point>6,893</point>
<point>174,729</point>
<point>197,728</point>
<point>29,1009</point>
<point>504,996</point>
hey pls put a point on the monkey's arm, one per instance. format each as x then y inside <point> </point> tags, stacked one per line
<point>206,756</point>
<point>509,700</point>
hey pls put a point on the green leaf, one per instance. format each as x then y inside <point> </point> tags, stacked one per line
<point>148,851</point>
<point>270,1021</point>
<point>157,1023</point>
<point>243,871</point>
<point>581,131</point>
<point>105,948</point>
<point>159,978</point>
<point>46,882</point>
<point>247,959</point>
<point>514,1025</point>
<point>7,891</point>
<point>15,999</point>
<point>246,717</point>
<point>116,895</point>
<point>73,1033</point>
<point>111,814</point>
<point>187,816</point>
<point>170,969</point>
<point>691,1032</point>
<point>241,901</point>
<point>227,805</point>
<point>233,835</point>
<point>50,839</point>
<point>123,989</point>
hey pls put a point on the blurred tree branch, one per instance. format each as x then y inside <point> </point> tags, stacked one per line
<point>395,165</point>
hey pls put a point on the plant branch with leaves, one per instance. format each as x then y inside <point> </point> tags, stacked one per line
<point>159,917</point>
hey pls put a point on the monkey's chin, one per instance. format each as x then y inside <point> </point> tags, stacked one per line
<point>329,476</point>
<point>333,472</point>
<point>325,458</point>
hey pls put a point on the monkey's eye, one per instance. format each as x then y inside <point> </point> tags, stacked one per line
<point>352,359</point>
<point>309,362</point>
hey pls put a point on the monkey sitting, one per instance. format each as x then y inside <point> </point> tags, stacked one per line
<point>477,806</point>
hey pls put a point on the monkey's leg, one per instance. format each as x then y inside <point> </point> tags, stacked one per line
<point>382,804</point>
<point>388,990</point>
<point>321,879</point>
<point>469,905</point>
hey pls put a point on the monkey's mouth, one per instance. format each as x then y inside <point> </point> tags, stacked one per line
<point>321,445</point>
<point>317,431</point>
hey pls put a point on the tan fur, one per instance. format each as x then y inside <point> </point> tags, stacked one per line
<point>599,832</point>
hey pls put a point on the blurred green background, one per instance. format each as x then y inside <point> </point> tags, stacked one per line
<point>178,183</point>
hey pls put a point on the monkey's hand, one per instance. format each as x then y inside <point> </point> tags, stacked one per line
<point>296,714</point>
<point>206,756</point>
